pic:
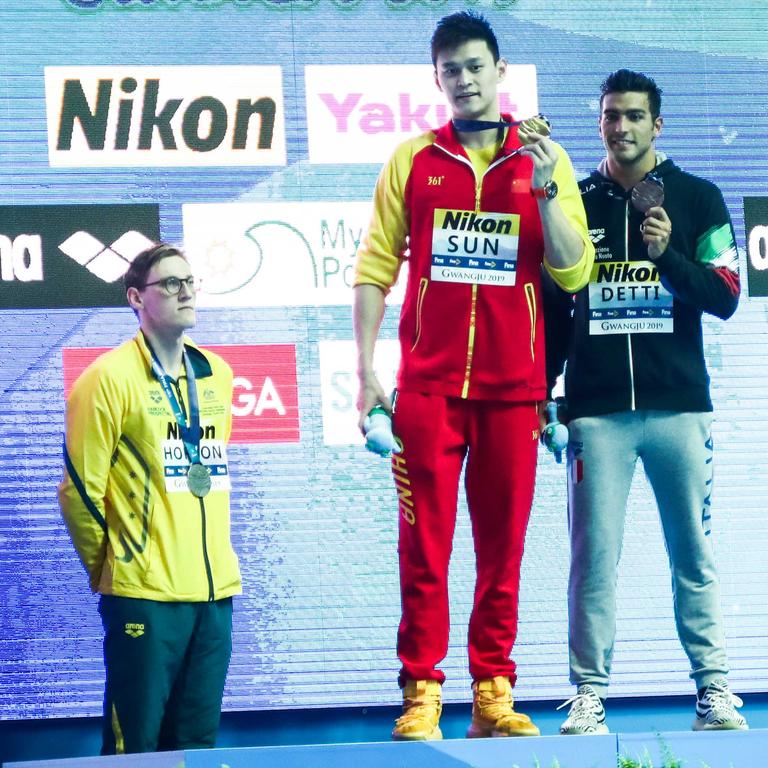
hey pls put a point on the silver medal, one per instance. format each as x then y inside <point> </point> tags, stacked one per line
<point>199,479</point>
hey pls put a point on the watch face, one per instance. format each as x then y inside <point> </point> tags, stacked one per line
<point>550,190</point>
<point>547,192</point>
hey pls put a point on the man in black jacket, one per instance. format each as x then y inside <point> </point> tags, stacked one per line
<point>637,386</point>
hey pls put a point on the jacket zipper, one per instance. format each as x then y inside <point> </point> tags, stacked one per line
<point>206,559</point>
<point>472,309</point>
<point>473,305</point>
<point>629,335</point>
<point>530,295</point>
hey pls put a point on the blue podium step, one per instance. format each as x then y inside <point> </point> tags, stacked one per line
<point>710,749</point>
<point>744,749</point>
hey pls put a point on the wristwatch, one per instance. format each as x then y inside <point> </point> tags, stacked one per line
<point>547,192</point>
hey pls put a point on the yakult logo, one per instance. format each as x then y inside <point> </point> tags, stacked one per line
<point>265,406</point>
<point>358,114</point>
<point>164,116</point>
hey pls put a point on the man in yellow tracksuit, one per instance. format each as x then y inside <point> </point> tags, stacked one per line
<point>145,497</point>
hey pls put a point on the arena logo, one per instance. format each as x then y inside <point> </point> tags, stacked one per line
<point>22,258</point>
<point>359,113</point>
<point>86,248</point>
<point>165,116</point>
<point>265,402</point>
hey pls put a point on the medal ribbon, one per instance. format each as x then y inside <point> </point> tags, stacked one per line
<point>467,126</point>
<point>190,435</point>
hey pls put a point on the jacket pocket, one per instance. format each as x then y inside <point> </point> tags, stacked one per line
<point>423,285</point>
<point>530,297</point>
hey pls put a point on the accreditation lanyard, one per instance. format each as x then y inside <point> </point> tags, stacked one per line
<point>190,435</point>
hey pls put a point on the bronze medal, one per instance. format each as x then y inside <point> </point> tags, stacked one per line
<point>648,194</point>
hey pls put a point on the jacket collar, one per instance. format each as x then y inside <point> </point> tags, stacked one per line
<point>199,361</point>
<point>664,166</point>
<point>447,138</point>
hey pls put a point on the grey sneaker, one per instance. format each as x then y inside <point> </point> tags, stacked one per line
<point>586,716</point>
<point>716,709</point>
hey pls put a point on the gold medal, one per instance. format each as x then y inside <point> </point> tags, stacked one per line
<point>538,124</point>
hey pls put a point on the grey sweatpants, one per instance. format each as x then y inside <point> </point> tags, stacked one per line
<point>676,451</point>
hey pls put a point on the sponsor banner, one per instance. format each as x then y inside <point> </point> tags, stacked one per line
<point>475,247</point>
<point>276,254</point>
<point>213,455</point>
<point>756,228</point>
<point>360,113</point>
<point>265,401</point>
<point>627,297</point>
<point>56,256</point>
<point>141,117</point>
<point>339,386</point>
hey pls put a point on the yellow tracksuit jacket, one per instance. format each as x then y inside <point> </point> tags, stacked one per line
<point>136,536</point>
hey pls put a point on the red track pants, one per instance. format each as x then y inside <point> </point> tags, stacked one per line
<point>499,441</point>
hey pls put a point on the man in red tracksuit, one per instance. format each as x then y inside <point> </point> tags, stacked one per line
<point>476,208</point>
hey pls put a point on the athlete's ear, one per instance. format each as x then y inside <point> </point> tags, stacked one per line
<point>437,80</point>
<point>501,68</point>
<point>134,298</point>
<point>658,124</point>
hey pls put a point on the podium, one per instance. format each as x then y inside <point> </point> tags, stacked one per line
<point>734,749</point>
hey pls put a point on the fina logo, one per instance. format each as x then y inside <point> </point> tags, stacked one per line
<point>177,116</point>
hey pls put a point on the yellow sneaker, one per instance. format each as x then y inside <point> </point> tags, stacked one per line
<point>422,705</point>
<point>493,711</point>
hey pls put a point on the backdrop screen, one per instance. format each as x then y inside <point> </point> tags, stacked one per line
<point>252,132</point>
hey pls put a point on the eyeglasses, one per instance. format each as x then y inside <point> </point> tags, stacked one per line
<point>172,285</point>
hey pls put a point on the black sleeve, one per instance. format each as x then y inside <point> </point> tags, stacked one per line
<point>558,328</point>
<point>709,281</point>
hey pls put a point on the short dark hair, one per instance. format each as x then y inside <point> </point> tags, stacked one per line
<point>458,28</point>
<point>136,276</point>
<point>625,80</point>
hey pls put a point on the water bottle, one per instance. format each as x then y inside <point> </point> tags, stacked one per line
<point>377,428</point>
<point>554,437</point>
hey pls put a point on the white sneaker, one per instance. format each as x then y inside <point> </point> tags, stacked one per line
<point>586,716</point>
<point>716,709</point>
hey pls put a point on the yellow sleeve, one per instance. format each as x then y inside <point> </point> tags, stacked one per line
<point>571,279</point>
<point>380,254</point>
<point>93,427</point>
<point>229,374</point>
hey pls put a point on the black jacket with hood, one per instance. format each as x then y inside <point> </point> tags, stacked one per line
<point>616,359</point>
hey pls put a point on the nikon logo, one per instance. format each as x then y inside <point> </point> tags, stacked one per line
<point>626,272</point>
<point>165,116</point>
<point>469,221</point>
